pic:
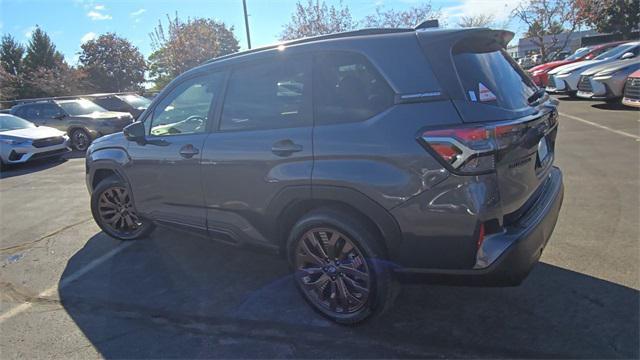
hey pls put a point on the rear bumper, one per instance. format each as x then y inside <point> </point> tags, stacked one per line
<point>505,259</point>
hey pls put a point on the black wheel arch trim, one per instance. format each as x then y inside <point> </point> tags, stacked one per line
<point>383,220</point>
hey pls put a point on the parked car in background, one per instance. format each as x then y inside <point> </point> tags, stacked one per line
<point>81,119</point>
<point>540,73</point>
<point>22,141</point>
<point>324,150</point>
<point>564,79</point>
<point>526,62</point>
<point>606,82</point>
<point>632,90</point>
<point>134,104</point>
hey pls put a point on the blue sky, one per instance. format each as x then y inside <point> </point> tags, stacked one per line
<point>70,22</point>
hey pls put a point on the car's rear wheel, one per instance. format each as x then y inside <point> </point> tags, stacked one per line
<point>113,210</point>
<point>80,139</point>
<point>339,266</point>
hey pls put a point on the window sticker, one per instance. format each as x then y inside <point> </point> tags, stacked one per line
<point>472,96</point>
<point>485,93</point>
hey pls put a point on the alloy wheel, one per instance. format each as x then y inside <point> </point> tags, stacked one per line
<point>332,271</point>
<point>80,140</point>
<point>116,211</point>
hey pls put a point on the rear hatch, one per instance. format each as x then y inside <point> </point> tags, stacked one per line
<point>493,94</point>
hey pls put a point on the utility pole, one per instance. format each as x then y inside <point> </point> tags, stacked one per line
<point>246,22</point>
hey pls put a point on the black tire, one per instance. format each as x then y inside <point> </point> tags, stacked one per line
<point>102,211</point>
<point>80,139</point>
<point>381,284</point>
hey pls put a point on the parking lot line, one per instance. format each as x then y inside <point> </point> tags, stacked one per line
<point>71,278</point>
<point>623,133</point>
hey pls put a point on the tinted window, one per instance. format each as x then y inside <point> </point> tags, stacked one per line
<point>186,109</point>
<point>493,78</point>
<point>80,107</point>
<point>348,88</point>
<point>49,110</point>
<point>268,95</point>
<point>112,104</point>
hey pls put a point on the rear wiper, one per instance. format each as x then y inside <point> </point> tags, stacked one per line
<point>536,95</point>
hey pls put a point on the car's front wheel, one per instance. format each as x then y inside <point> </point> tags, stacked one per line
<point>80,139</point>
<point>339,266</point>
<point>113,210</point>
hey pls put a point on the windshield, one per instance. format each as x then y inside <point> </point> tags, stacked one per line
<point>136,101</point>
<point>80,107</point>
<point>10,122</point>
<point>579,53</point>
<point>615,52</point>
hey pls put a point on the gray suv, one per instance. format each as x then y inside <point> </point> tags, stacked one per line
<point>81,119</point>
<point>366,159</point>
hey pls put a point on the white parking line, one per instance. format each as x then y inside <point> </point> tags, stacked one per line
<point>66,281</point>
<point>623,133</point>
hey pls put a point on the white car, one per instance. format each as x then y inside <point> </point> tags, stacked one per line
<point>564,79</point>
<point>22,141</point>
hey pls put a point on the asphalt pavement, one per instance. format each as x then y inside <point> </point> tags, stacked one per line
<point>69,291</point>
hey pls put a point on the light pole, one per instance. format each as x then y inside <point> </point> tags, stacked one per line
<point>246,22</point>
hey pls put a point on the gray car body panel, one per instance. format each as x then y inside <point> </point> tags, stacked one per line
<point>236,189</point>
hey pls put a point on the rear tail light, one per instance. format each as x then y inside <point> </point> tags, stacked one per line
<point>471,150</point>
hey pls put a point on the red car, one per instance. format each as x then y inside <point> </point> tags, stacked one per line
<point>632,90</point>
<point>539,73</point>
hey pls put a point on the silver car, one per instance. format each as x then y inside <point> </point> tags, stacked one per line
<point>606,82</point>
<point>564,79</point>
<point>22,141</point>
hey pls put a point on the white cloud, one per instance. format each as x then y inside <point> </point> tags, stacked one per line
<point>87,37</point>
<point>98,7</point>
<point>28,31</point>
<point>96,15</point>
<point>138,12</point>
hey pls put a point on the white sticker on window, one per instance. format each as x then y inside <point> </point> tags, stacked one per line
<point>472,96</point>
<point>485,93</point>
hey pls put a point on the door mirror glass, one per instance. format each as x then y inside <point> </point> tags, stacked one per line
<point>628,55</point>
<point>135,132</point>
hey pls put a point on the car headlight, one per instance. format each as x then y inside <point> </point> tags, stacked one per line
<point>14,141</point>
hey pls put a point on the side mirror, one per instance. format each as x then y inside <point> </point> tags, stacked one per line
<point>135,132</point>
<point>59,116</point>
<point>628,55</point>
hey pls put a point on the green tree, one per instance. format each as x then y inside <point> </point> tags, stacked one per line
<point>112,64</point>
<point>41,52</point>
<point>186,44</point>
<point>611,16</point>
<point>409,18</point>
<point>316,18</point>
<point>546,20</point>
<point>11,55</point>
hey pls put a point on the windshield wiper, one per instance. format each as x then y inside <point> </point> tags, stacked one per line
<point>536,95</point>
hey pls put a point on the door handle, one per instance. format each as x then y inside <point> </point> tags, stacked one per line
<point>285,148</point>
<point>188,151</point>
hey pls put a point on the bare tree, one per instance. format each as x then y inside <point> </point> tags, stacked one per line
<point>411,17</point>
<point>316,18</point>
<point>480,20</point>
<point>550,23</point>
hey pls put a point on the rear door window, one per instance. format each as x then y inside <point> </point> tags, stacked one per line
<point>268,95</point>
<point>348,88</point>
<point>493,78</point>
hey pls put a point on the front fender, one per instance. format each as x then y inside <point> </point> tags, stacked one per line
<point>111,158</point>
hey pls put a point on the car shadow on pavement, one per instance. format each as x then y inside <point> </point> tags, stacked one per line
<point>37,165</point>
<point>173,295</point>
<point>29,167</point>
<point>614,106</point>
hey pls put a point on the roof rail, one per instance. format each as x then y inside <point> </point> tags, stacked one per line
<point>66,97</point>
<point>362,32</point>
